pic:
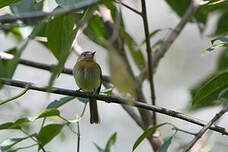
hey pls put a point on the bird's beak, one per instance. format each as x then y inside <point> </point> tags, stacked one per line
<point>93,53</point>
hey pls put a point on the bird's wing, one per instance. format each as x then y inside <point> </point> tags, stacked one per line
<point>99,88</point>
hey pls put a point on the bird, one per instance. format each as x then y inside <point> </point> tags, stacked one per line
<point>88,76</point>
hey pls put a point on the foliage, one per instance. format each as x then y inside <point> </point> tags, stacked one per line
<point>60,29</point>
<point>202,14</point>
<point>145,134</point>
<point>224,43</point>
<point>111,141</point>
<point>202,100</point>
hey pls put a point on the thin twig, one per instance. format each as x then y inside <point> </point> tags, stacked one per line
<point>184,131</point>
<point>149,57</point>
<point>7,27</point>
<point>83,111</point>
<point>39,15</point>
<point>49,67</point>
<point>205,128</point>
<point>25,147</point>
<point>78,126</point>
<point>128,7</point>
<point>113,99</point>
<point>15,97</point>
<point>78,134</point>
<point>34,138</point>
<point>171,38</point>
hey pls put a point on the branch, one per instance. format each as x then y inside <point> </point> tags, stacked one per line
<point>8,27</point>
<point>43,66</point>
<point>113,99</point>
<point>39,15</point>
<point>200,143</point>
<point>49,67</point>
<point>205,128</point>
<point>171,38</point>
<point>128,7</point>
<point>149,57</point>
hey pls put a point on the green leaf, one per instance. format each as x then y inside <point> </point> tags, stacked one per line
<point>48,132</point>
<point>26,6</point>
<point>83,100</point>
<point>136,53</point>
<point>39,30</point>
<point>70,3</point>
<point>226,104</point>
<point>58,103</point>
<point>223,94</point>
<point>157,44</point>
<point>60,34</point>
<point>211,100</point>
<point>222,63</point>
<point>14,125</point>
<point>214,47</point>
<point>8,67</point>
<point>224,43</point>
<point>222,25</point>
<point>96,29</point>
<point>222,39</point>
<point>164,147</point>
<point>111,142</point>
<point>145,134</point>
<point>7,144</point>
<point>214,85</point>
<point>48,113</point>
<point>99,148</point>
<point>15,33</point>
<point>202,13</point>
<point>4,3</point>
<point>152,34</point>
<point>61,37</point>
<point>107,91</point>
<point>15,97</point>
<point>179,6</point>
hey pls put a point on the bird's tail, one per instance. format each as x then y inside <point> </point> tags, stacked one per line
<point>94,116</point>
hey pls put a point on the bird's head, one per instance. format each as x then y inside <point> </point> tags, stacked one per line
<point>87,56</point>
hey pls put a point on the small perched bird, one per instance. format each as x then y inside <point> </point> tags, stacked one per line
<point>88,75</point>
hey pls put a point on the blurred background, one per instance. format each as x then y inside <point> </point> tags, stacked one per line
<point>178,71</point>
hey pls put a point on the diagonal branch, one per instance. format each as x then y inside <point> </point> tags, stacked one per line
<point>113,99</point>
<point>171,38</point>
<point>39,15</point>
<point>128,7</point>
<point>205,128</point>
